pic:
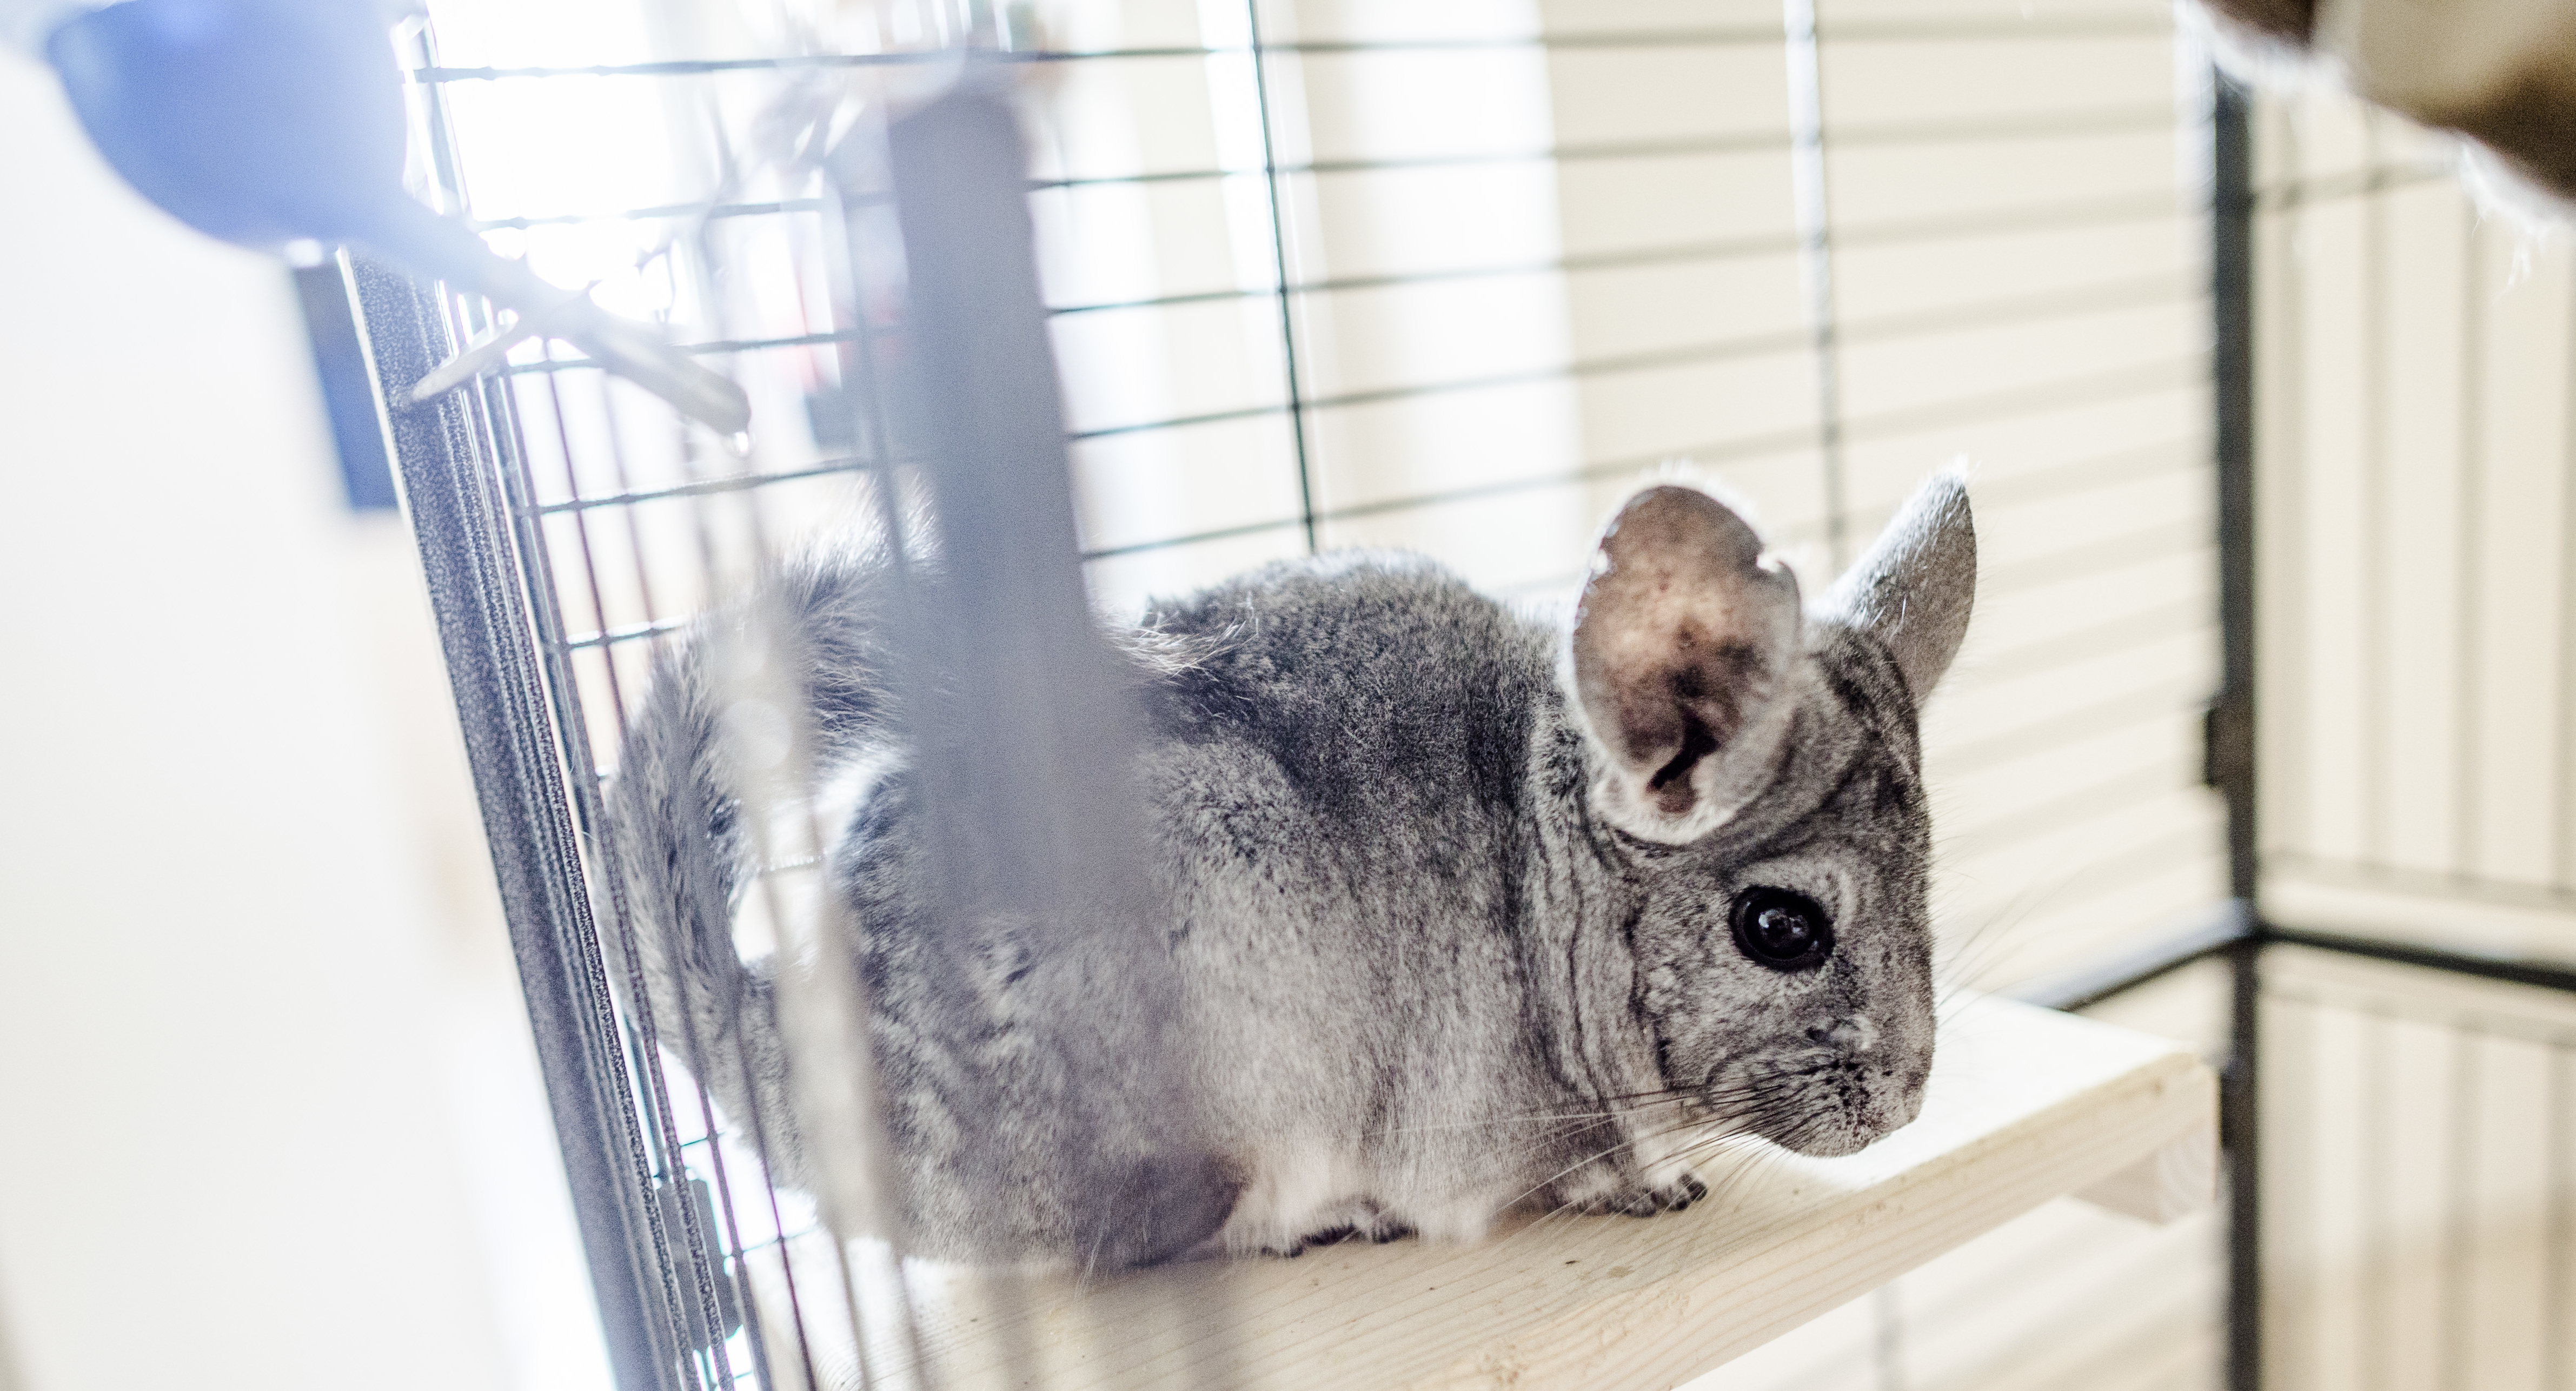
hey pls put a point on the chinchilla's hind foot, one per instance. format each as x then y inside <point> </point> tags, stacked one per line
<point>1164,1208</point>
<point>1645,1199</point>
<point>1373,1224</point>
<point>1330,1236</point>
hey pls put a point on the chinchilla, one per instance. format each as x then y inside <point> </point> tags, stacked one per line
<point>1451,909</point>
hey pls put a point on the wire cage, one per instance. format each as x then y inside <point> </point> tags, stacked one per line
<point>1319,278</point>
<point>1454,280</point>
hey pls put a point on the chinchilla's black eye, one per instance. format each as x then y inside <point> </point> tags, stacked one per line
<point>1783,929</point>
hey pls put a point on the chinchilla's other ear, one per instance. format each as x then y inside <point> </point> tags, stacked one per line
<point>1913,590</point>
<point>1682,647</point>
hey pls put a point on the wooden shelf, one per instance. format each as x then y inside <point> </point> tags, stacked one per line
<point>2025,1105</point>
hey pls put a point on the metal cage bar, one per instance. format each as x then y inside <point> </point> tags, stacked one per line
<point>2231,763</point>
<point>492,663</point>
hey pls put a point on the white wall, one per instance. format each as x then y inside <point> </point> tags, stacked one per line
<point>232,999</point>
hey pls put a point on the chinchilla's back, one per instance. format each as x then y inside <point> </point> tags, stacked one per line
<point>1398,703</point>
<point>1335,779</point>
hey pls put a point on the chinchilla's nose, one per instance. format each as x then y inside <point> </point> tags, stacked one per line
<point>1851,1034</point>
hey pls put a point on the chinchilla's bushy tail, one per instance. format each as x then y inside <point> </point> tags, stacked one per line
<point>703,755</point>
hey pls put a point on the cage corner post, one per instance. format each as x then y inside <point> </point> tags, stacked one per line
<point>2231,730</point>
<point>459,521</point>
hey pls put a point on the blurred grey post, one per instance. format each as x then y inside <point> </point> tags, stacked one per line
<point>1028,737</point>
<point>1027,721</point>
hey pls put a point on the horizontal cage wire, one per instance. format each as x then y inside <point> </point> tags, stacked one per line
<point>1276,338</point>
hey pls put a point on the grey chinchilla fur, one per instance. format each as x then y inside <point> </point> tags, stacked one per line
<point>1443,898</point>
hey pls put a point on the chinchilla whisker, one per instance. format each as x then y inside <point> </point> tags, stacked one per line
<point>1726,1136</point>
<point>1542,1185</point>
<point>1721,1129</point>
<point>1613,1113</point>
<point>1988,941</point>
<point>1689,1157</point>
<point>1952,1011</point>
<point>1651,1095</point>
<point>1962,966</point>
<point>1988,936</point>
<point>1750,1165</point>
<point>1631,1104</point>
<point>1748,1151</point>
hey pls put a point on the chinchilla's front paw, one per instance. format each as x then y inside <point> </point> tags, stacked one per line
<point>1643,1199</point>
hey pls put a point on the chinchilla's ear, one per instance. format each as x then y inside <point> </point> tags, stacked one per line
<point>1682,647</point>
<point>1913,590</point>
